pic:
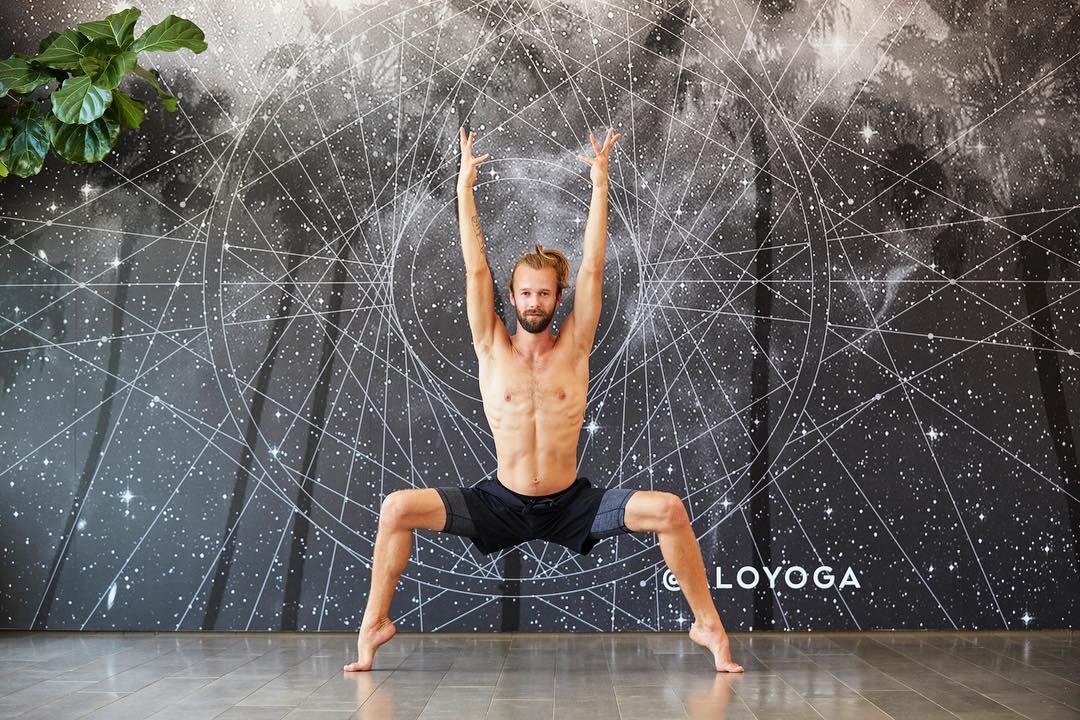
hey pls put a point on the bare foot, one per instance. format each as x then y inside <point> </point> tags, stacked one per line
<point>716,641</point>
<point>368,641</point>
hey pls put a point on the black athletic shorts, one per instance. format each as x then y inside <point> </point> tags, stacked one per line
<point>495,517</point>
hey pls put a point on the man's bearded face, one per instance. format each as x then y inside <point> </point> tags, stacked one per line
<point>535,322</point>
<point>535,297</point>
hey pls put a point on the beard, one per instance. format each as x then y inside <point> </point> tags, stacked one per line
<point>534,324</point>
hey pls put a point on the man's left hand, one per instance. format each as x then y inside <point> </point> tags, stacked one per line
<point>599,163</point>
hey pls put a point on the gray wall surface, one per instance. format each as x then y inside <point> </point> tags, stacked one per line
<point>839,314</point>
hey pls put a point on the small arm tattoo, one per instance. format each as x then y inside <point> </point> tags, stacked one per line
<point>479,232</point>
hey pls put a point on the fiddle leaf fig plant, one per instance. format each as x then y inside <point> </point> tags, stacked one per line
<point>86,109</point>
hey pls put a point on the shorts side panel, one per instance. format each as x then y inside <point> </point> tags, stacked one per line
<point>611,514</point>
<point>459,520</point>
<point>596,513</point>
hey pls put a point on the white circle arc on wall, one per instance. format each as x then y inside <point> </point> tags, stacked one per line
<point>347,168</point>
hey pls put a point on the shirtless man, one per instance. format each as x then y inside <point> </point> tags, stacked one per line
<point>533,384</point>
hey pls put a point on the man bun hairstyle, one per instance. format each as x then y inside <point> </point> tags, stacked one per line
<point>542,258</point>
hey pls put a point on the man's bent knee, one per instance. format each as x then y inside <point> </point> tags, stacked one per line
<point>394,510</point>
<point>411,509</point>
<point>651,511</point>
<point>674,513</point>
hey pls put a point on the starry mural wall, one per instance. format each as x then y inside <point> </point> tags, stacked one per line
<point>839,314</point>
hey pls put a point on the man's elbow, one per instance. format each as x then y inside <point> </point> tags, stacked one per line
<point>477,269</point>
<point>591,265</point>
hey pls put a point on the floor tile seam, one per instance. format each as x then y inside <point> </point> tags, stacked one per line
<point>374,689</point>
<point>972,644</point>
<point>124,696</point>
<point>732,697</point>
<point>139,665</point>
<point>618,707</point>
<point>906,687</point>
<point>64,696</point>
<point>977,692</point>
<point>39,682</point>
<point>929,700</point>
<point>764,663</point>
<point>1032,667</point>
<point>256,689</point>
<point>1044,696</point>
<point>491,700</point>
<point>925,667</point>
<point>188,693</point>
<point>210,717</point>
<point>749,709</point>
<point>25,687</point>
<point>427,700</point>
<point>46,701</point>
<point>1020,714</point>
<point>987,671</point>
<point>126,669</point>
<point>84,661</point>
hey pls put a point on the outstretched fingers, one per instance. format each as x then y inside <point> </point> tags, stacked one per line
<point>610,139</point>
<point>602,150</point>
<point>596,146</point>
<point>467,140</point>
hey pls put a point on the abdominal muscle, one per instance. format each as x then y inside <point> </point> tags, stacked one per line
<point>536,463</point>
<point>536,420</point>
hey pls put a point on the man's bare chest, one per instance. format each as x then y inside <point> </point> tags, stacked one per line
<point>555,384</point>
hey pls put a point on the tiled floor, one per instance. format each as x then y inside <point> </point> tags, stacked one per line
<point>592,677</point>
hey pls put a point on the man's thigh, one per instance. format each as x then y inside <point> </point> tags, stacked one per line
<point>650,510</point>
<point>418,508</point>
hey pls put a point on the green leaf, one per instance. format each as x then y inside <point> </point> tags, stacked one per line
<point>29,142</point>
<point>5,138</point>
<point>105,64</point>
<point>118,28</point>
<point>87,143</point>
<point>19,76</point>
<point>170,35</point>
<point>47,40</point>
<point>80,101</point>
<point>63,53</point>
<point>5,131</point>
<point>153,77</point>
<point>129,111</point>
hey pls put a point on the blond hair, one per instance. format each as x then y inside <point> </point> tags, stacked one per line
<point>542,258</point>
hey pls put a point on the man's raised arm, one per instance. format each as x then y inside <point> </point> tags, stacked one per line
<point>584,317</point>
<point>479,287</point>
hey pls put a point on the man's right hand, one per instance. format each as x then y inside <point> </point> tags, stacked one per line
<point>467,173</point>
